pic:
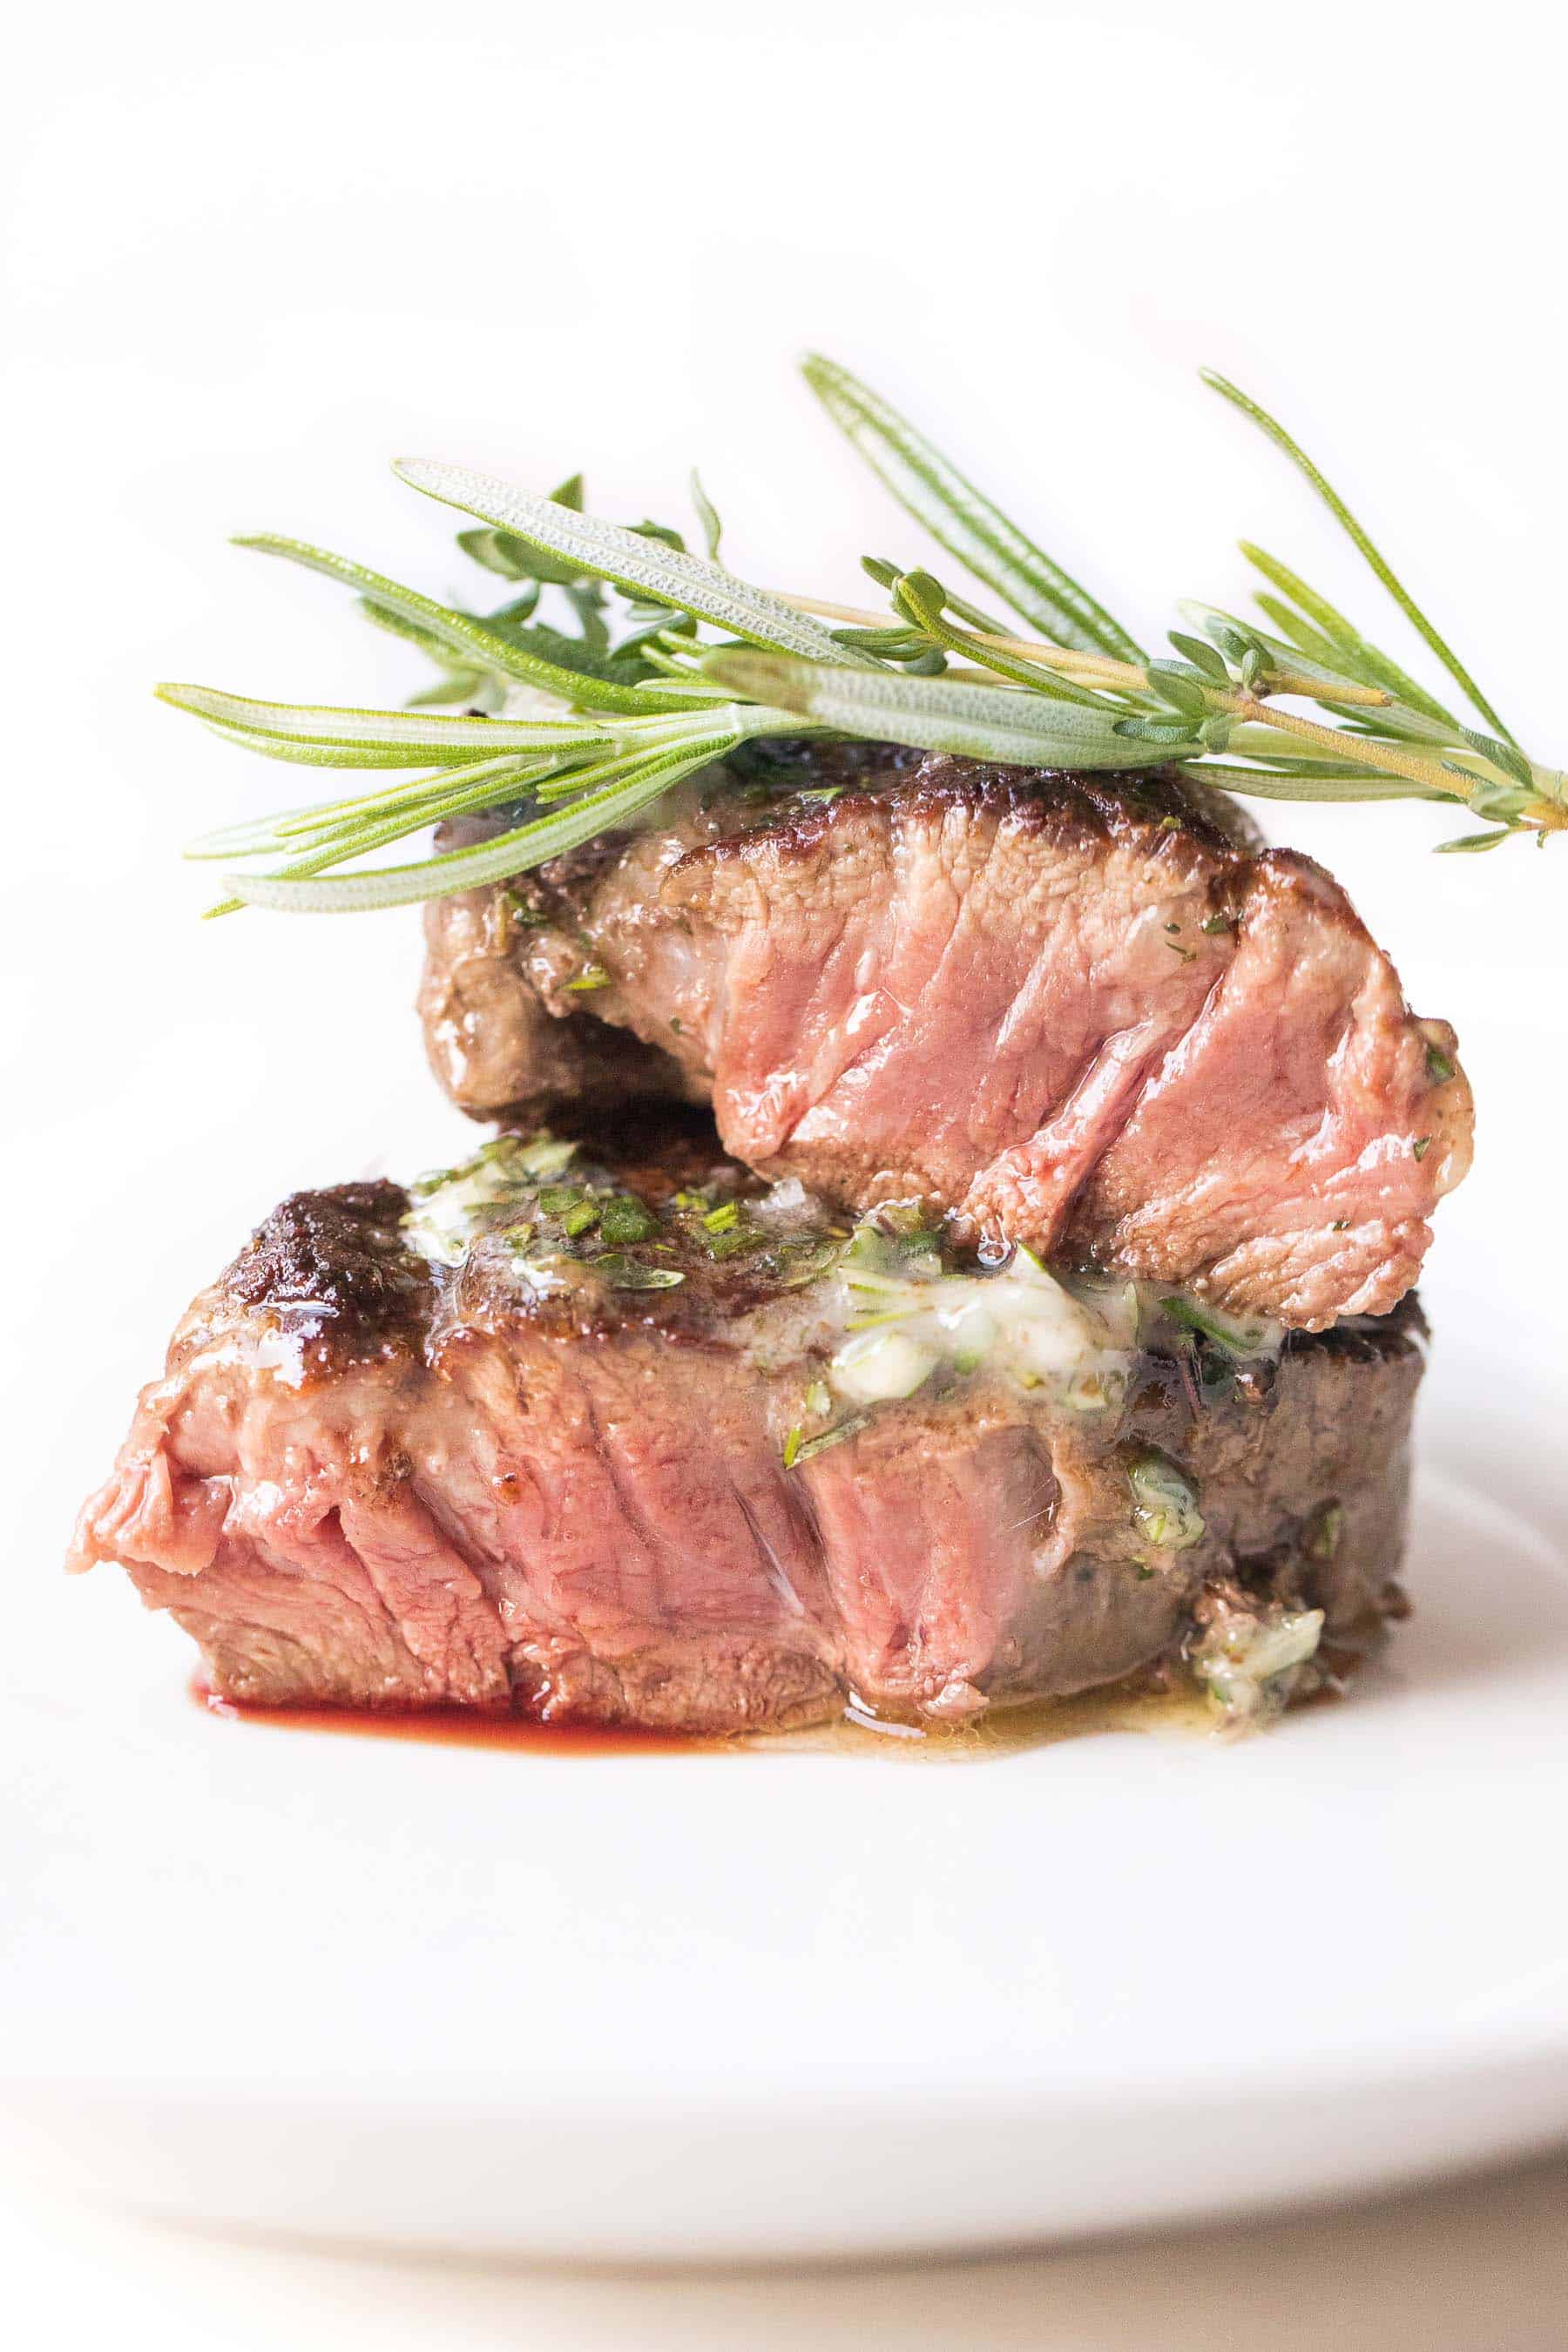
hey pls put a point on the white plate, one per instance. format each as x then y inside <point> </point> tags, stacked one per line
<point>710,2005</point>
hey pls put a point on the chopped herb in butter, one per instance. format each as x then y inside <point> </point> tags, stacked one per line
<point>1249,1663</point>
<point>907,1314</point>
<point>452,1205</point>
<point>1165,1502</point>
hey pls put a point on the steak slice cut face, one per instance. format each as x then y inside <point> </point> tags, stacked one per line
<point>1084,1012</point>
<point>590,1433</point>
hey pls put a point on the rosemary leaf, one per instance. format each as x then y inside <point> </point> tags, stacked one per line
<point>921,599</point>
<point>1307,784</point>
<point>475,689</point>
<point>1296,632</point>
<point>461,631</point>
<point>963,520</point>
<point>1202,656</point>
<point>321,838</point>
<point>576,655</point>
<point>303,751</point>
<point>1506,756</point>
<point>1467,843</point>
<point>460,682</point>
<point>1362,659</point>
<point>1175,684</point>
<point>515,852</point>
<point>707,516</point>
<point>513,559</point>
<point>497,552</point>
<point>424,738</point>
<point>1169,731</point>
<point>938,714</point>
<point>1359,539</point>
<point>300,872</point>
<point>664,574</point>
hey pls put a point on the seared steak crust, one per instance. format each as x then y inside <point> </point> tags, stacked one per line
<point>363,1479</point>
<point>340,1256</point>
<point>1081,1011</point>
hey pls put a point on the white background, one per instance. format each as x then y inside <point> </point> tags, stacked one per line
<point>251,255</point>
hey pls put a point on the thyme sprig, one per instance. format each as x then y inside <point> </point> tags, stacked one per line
<point>576,725</point>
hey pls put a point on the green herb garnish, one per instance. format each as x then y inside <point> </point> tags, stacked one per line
<point>1324,1541</point>
<point>836,1435</point>
<point>732,1241</point>
<point>722,1232</point>
<point>1164,1501</point>
<point>624,1219</point>
<point>642,698</point>
<point>623,1272</point>
<point>796,1262</point>
<point>1235,1338</point>
<point>907,1222</point>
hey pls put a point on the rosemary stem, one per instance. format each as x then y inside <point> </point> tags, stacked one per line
<point>1095,669</point>
<point>1088,670</point>
<point>1099,670</point>
<point>1448,781</point>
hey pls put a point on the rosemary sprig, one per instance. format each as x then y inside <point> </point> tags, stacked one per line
<point>1358,537</point>
<point>576,729</point>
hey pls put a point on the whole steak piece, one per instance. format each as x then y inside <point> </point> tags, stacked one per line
<point>625,1436</point>
<point>1085,1013</point>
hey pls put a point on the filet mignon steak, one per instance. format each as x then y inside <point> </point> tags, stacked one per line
<point>1082,1011</point>
<point>628,1436</point>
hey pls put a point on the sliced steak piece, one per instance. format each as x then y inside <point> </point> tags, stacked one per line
<point>1080,1011</point>
<point>495,1044</point>
<point>585,1438</point>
